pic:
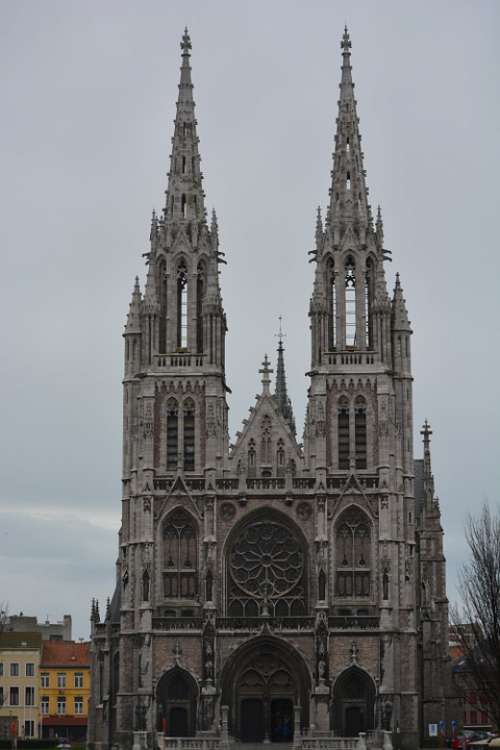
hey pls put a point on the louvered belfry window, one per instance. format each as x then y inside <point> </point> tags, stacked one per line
<point>180,556</point>
<point>353,555</point>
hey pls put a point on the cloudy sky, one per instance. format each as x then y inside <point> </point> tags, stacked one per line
<point>88,97</point>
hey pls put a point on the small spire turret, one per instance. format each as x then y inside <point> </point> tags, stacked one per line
<point>283,402</point>
<point>266,371</point>
<point>400,320</point>
<point>133,324</point>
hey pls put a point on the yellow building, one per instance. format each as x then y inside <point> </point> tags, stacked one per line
<point>19,682</point>
<point>64,689</point>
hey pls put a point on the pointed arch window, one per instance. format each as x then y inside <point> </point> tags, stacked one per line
<point>172,434</point>
<point>353,554</point>
<point>200,294</point>
<point>348,181</point>
<point>360,437</point>
<point>369,303</point>
<point>189,435</point>
<point>183,206</point>
<point>182,303</point>
<point>350,302</point>
<point>251,458</point>
<point>343,432</point>
<point>180,556</point>
<point>332,304</point>
<point>145,586</point>
<point>280,458</point>
<point>162,288</point>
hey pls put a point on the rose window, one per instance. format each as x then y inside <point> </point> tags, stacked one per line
<point>266,566</point>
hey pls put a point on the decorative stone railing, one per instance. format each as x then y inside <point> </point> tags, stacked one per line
<point>349,358</point>
<point>303,483</point>
<point>189,743</point>
<point>353,622</point>
<point>367,482</point>
<point>253,624</point>
<point>179,359</point>
<point>166,483</point>
<point>373,740</point>
<point>177,623</point>
<point>266,483</point>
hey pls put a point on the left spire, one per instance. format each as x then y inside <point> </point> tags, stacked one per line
<point>185,197</point>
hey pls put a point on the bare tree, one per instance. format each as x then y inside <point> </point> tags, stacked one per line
<point>4,616</point>
<point>477,622</point>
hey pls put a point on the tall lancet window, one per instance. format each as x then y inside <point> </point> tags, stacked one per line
<point>182,300</point>
<point>200,293</point>
<point>353,554</point>
<point>172,434</point>
<point>332,304</point>
<point>369,281</point>
<point>350,302</point>
<point>189,435</point>
<point>180,556</point>
<point>343,432</point>
<point>360,439</point>
<point>162,288</point>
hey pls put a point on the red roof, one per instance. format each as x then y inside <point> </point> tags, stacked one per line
<point>65,654</point>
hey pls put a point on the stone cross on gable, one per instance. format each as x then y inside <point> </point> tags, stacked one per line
<point>266,371</point>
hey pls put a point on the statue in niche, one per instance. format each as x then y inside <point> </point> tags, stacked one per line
<point>322,586</point>
<point>386,714</point>
<point>140,717</point>
<point>385,584</point>
<point>209,581</point>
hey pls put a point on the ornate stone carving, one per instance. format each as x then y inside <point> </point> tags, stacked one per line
<point>304,511</point>
<point>227,511</point>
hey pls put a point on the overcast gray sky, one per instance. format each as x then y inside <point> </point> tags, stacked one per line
<point>88,97</point>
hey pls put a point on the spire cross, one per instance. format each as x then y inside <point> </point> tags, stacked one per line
<point>186,43</point>
<point>426,432</point>
<point>265,371</point>
<point>280,335</point>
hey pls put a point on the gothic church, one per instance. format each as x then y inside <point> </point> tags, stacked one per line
<point>271,591</point>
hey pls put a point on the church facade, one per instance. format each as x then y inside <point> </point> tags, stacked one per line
<point>271,589</point>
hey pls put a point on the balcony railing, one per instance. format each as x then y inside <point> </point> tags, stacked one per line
<point>252,624</point>
<point>180,359</point>
<point>266,483</point>
<point>347,358</point>
<point>353,622</point>
<point>177,623</point>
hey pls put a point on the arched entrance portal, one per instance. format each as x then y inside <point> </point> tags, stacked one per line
<point>176,695</point>
<point>353,703</point>
<point>261,684</point>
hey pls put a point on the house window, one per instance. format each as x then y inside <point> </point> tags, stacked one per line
<point>30,670</point>
<point>78,681</point>
<point>61,705</point>
<point>29,696</point>
<point>1,669</point>
<point>78,704</point>
<point>14,669</point>
<point>44,705</point>
<point>61,679</point>
<point>44,679</point>
<point>29,728</point>
<point>14,696</point>
<point>180,556</point>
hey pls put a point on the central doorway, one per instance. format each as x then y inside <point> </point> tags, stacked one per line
<point>353,703</point>
<point>262,683</point>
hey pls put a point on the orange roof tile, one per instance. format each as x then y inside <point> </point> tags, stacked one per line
<point>65,654</point>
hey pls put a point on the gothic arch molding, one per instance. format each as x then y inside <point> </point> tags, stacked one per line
<point>177,555</point>
<point>176,696</point>
<point>353,701</point>
<point>265,669</point>
<point>352,535</point>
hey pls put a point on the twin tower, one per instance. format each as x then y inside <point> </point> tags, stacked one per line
<point>270,591</point>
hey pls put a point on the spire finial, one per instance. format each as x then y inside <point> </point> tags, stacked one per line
<point>426,432</point>
<point>265,371</point>
<point>280,335</point>
<point>186,42</point>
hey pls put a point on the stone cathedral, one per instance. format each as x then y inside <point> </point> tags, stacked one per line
<point>271,590</point>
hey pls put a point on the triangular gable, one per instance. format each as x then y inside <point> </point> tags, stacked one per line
<point>265,406</point>
<point>179,490</point>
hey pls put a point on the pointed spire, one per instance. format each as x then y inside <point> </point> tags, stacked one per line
<point>400,320</point>
<point>319,230</point>
<point>133,324</point>
<point>92,610</point>
<point>185,197</point>
<point>265,371</point>
<point>348,193</point>
<point>97,617</point>
<point>108,610</point>
<point>280,393</point>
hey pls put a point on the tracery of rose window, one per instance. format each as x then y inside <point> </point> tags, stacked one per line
<point>353,555</point>
<point>266,566</point>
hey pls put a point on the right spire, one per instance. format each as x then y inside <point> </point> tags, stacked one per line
<point>348,192</point>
